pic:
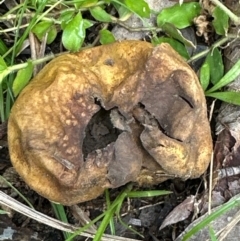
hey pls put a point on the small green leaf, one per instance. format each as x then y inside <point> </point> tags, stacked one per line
<point>3,65</point>
<point>44,28</point>
<point>173,32</point>
<point>52,34</point>
<point>123,12</point>
<point>74,34</point>
<point>65,17</point>
<point>41,28</point>
<point>106,37</point>
<point>214,59</point>
<point>179,15</point>
<point>22,78</point>
<point>85,4</point>
<point>87,23</point>
<point>140,7</point>
<point>220,22</point>
<point>226,96</point>
<point>212,69</point>
<point>61,215</point>
<point>100,14</point>
<point>230,76</point>
<point>179,47</point>
<point>205,75</point>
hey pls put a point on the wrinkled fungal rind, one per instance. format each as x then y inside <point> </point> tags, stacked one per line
<point>155,105</point>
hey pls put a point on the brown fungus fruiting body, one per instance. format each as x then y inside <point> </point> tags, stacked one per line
<point>106,116</point>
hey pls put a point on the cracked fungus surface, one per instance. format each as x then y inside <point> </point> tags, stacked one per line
<point>106,116</point>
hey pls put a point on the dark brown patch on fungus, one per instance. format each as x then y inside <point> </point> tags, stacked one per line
<point>106,116</point>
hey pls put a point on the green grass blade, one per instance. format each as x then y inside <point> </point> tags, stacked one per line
<point>212,233</point>
<point>9,102</point>
<point>3,47</point>
<point>108,215</point>
<point>2,111</point>
<point>214,215</point>
<point>152,193</point>
<point>130,228</point>
<point>79,231</point>
<point>111,221</point>
<point>123,223</point>
<point>32,22</point>
<point>19,193</point>
<point>19,20</point>
<point>230,76</point>
<point>227,96</point>
<point>61,215</point>
<point>110,212</point>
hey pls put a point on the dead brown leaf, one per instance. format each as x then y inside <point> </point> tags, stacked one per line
<point>179,213</point>
<point>203,26</point>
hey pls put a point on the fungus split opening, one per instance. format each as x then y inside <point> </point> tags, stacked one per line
<point>99,132</point>
<point>106,125</point>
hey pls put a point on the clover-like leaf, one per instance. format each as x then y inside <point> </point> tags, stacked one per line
<point>179,47</point>
<point>173,32</point>
<point>41,28</point>
<point>87,23</point>
<point>220,22</point>
<point>22,78</point>
<point>212,69</point>
<point>52,34</point>
<point>65,17</point>
<point>44,27</point>
<point>100,14</point>
<point>230,76</point>
<point>216,65</point>
<point>74,33</point>
<point>123,12</point>
<point>85,3</point>
<point>106,37</point>
<point>205,75</point>
<point>140,7</point>
<point>179,15</point>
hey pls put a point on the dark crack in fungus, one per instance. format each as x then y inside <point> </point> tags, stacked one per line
<point>106,116</point>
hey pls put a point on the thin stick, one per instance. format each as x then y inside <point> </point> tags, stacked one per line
<point>42,218</point>
<point>229,227</point>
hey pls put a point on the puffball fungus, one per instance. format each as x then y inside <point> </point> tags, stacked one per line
<point>106,116</point>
